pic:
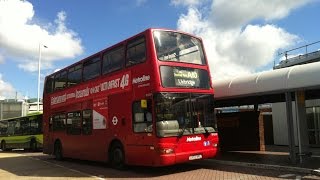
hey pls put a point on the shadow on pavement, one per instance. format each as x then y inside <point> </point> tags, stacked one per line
<point>274,155</point>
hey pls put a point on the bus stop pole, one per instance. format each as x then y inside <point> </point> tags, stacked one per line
<point>291,142</point>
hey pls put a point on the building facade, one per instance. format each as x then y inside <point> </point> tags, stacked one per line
<point>10,109</point>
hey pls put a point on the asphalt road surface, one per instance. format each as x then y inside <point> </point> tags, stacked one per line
<point>25,165</point>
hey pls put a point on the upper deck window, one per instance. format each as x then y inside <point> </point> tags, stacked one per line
<point>49,84</point>
<point>173,46</point>
<point>91,68</point>
<point>113,60</point>
<point>75,75</point>
<point>136,51</point>
<point>60,80</point>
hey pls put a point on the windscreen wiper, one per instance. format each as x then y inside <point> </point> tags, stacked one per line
<point>182,130</point>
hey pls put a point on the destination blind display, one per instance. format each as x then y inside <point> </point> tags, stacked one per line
<point>184,77</point>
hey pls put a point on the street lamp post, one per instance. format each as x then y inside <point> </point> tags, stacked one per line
<point>39,64</point>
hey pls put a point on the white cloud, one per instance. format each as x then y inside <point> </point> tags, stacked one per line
<point>1,59</point>
<point>187,2</point>
<point>236,13</point>
<point>233,45</point>
<point>6,89</point>
<point>141,2</point>
<point>20,36</point>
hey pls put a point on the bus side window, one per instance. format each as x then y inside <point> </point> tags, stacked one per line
<point>91,68</point>
<point>17,127</point>
<point>11,127</point>
<point>49,84</point>
<point>3,128</point>
<point>24,126</point>
<point>36,124</point>
<point>60,80</point>
<point>59,122</point>
<point>136,51</point>
<point>142,118</point>
<point>51,124</point>
<point>87,122</point>
<point>113,60</point>
<point>75,75</point>
<point>74,123</point>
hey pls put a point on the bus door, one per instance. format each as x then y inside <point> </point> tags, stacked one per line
<point>48,135</point>
<point>119,118</point>
<point>94,115</point>
<point>71,137</point>
<point>141,142</point>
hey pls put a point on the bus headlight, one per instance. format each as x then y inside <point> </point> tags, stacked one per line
<point>166,150</point>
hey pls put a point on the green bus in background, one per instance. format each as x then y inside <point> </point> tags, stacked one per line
<point>22,133</point>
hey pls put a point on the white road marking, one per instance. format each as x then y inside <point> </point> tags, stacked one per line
<point>64,167</point>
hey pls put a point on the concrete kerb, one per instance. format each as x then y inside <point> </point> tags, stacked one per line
<point>268,166</point>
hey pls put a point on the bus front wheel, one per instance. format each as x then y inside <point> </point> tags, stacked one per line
<point>58,151</point>
<point>117,156</point>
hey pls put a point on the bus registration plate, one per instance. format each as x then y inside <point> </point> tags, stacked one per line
<point>194,157</point>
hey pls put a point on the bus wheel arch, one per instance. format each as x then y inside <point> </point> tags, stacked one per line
<point>57,150</point>
<point>116,154</point>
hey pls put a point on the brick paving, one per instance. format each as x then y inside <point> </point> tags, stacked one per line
<point>25,165</point>
<point>274,155</point>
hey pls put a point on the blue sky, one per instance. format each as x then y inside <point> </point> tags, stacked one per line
<point>240,36</point>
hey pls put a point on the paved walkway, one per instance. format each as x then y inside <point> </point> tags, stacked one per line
<point>275,157</point>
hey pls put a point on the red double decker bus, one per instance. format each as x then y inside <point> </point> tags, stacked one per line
<point>147,100</point>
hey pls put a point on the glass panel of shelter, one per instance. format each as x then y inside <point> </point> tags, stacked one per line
<point>313,122</point>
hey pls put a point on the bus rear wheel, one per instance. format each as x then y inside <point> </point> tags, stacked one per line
<point>3,145</point>
<point>58,151</point>
<point>117,156</point>
<point>33,145</point>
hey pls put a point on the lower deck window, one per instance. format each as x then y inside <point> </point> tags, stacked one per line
<point>74,123</point>
<point>87,122</point>
<point>59,122</point>
<point>142,117</point>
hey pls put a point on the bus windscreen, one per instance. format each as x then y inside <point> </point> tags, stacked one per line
<point>173,46</point>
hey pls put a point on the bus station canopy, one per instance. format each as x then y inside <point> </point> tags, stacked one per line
<point>268,86</point>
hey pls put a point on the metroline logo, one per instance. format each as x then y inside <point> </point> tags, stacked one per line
<point>192,139</point>
<point>141,79</point>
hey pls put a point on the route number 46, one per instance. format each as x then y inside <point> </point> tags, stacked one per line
<point>124,81</point>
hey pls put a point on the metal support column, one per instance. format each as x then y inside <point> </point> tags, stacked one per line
<point>1,110</point>
<point>292,150</point>
<point>303,139</point>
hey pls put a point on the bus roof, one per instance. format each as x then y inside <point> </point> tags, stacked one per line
<point>29,115</point>
<point>117,44</point>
